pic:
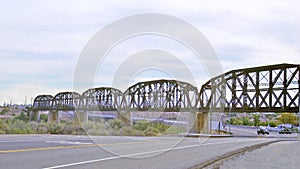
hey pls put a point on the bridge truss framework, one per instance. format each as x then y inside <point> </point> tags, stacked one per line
<point>273,88</point>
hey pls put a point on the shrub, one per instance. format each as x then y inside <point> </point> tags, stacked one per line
<point>129,131</point>
<point>273,123</point>
<point>4,127</point>
<point>4,111</point>
<point>54,128</point>
<point>175,130</point>
<point>151,131</point>
<point>100,125</point>
<point>92,132</point>
<point>115,123</point>
<point>246,121</point>
<point>88,125</point>
<point>161,127</point>
<point>69,129</point>
<point>103,132</point>
<point>17,126</point>
<point>263,123</point>
<point>141,125</point>
<point>22,117</point>
<point>43,118</point>
<point>78,130</point>
<point>41,128</point>
<point>236,121</point>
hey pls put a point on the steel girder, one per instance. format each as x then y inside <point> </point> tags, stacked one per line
<point>66,101</point>
<point>43,102</point>
<point>273,88</point>
<point>103,98</point>
<point>161,95</point>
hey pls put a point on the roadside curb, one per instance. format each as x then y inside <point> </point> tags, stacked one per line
<point>204,135</point>
<point>216,162</point>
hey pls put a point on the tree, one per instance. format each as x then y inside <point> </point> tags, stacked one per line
<point>246,121</point>
<point>22,117</point>
<point>288,118</point>
<point>43,117</point>
<point>256,120</point>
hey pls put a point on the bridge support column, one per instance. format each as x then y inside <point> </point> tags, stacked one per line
<point>125,117</point>
<point>35,115</point>
<point>80,117</point>
<point>198,123</point>
<point>53,117</point>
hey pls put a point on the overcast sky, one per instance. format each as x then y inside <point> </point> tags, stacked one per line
<point>41,41</point>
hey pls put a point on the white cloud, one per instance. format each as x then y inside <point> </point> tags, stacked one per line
<point>41,40</point>
<point>16,93</point>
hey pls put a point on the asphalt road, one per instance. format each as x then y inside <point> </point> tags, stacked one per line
<point>57,151</point>
<point>252,132</point>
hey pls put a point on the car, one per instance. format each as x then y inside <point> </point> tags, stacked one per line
<point>263,131</point>
<point>285,131</point>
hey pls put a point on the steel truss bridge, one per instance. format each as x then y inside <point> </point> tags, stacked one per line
<point>273,88</point>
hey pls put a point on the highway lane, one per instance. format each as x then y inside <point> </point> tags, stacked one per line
<point>53,151</point>
<point>248,132</point>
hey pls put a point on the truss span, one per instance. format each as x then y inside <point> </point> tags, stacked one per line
<point>103,99</point>
<point>43,102</point>
<point>273,88</point>
<point>161,95</point>
<point>66,101</point>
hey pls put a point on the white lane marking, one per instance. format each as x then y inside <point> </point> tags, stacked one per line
<point>139,138</point>
<point>16,141</point>
<point>47,141</point>
<point>67,142</point>
<point>142,153</point>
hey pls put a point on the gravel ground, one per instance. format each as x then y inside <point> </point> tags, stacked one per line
<point>284,155</point>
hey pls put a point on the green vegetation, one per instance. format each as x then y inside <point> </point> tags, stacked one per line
<point>4,111</point>
<point>246,121</point>
<point>273,120</point>
<point>20,124</point>
<point>256,120</point>
<point>22,117</point>
<point>273,123</point>
<point>288,118</point>
<point>235,121</point>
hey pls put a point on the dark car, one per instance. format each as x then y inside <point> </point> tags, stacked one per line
<point>285,131</point>
<point>263,131</point>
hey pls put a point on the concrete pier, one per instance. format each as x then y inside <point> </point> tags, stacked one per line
<point>53,117</point>
<point>125,117</point>
<point>198,123</point>
<point>80,117</point>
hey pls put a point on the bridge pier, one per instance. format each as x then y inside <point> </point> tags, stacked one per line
<point>198,122</point>
<point>125,117</point>
<point>80,116</point>
<point>53,117</point>
<point>35,115</point>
